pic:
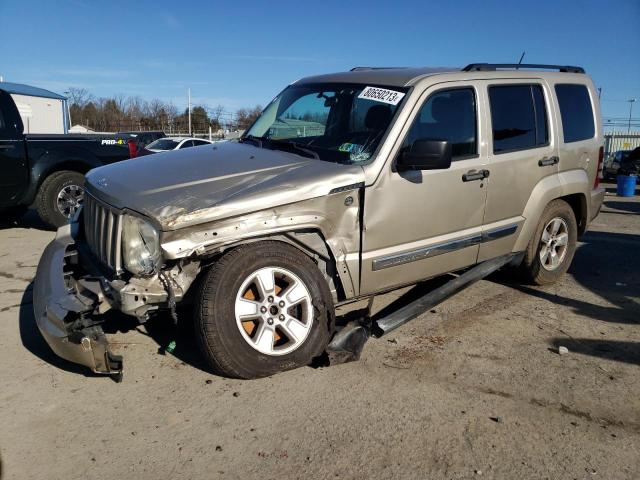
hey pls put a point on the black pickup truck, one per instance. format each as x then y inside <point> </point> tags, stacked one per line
<point>48,170</point>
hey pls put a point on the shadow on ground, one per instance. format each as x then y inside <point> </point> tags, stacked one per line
<point>28,220</point>
<point>626,352</point>
<point>606,263</point>
<point>628,208</point>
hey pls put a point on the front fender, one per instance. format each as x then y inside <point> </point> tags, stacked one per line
<point>335,220</point>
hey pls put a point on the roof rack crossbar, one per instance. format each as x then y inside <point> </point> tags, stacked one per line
<point>484,67</point>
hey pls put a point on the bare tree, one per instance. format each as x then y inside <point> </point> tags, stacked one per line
<point>246,116</point>
<point>121,113</point>
<point>79,96</point>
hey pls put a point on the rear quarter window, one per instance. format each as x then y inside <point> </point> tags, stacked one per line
<point>576,112</point>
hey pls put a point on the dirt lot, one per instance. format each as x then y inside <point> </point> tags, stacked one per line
<point>472,389</point>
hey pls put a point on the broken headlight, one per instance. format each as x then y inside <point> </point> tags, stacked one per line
<point>140,245</point>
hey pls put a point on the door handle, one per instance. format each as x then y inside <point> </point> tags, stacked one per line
<point>472,175</point>
<point>545,162</point>
<point>6,147</point>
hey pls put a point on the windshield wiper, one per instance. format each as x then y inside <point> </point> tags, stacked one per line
<point>254,139</point>
<point>295,146</point>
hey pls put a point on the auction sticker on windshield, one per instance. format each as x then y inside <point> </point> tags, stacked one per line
<point>381,95</point>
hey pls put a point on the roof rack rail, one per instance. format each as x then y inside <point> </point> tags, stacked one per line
<point>486,67</point>
<point>357,69</point>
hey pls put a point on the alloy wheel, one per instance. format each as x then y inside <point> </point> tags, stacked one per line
<point>273,311</point>
<point>69,199</point>
<point>554,243</point>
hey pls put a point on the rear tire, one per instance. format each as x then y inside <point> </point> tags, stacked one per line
<point>239,307</point>
<point>59,197</point>
<point>550,251</point>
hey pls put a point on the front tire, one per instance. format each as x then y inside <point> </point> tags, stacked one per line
<point>60,195</point>
<point>550,251</point>
<point>263,308</point>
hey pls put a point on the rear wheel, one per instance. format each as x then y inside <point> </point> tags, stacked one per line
<point>550,251</point>
<point>59,197</point>
<point>263,308</point>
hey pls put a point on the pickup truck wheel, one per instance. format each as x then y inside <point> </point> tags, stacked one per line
<point>263,308</point>
<point>551,249</point>
<point>60,195</point>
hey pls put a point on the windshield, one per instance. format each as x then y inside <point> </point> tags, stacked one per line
<point>335,122</point>
<point>163,144</point>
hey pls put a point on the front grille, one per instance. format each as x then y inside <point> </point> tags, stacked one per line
<point>103,232</point>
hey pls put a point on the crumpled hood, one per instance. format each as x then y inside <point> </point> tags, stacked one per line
<point>202,184</point>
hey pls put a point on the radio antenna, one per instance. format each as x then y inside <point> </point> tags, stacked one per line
<point>521,57</point>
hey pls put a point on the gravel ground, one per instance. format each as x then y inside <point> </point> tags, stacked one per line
<point>475,388</point>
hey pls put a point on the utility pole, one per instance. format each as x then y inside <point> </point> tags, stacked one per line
<point>631,102</point>
<point>189,112</point>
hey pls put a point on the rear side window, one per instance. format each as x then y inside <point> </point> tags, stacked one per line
<point>518,117</point>
<point>576,112</point>
<point>448,115</point>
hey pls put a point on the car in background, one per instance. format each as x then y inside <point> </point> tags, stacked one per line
<point>145,138</point>
<point>175,143</point>
<point>47,170</point>
<point>612,164</point>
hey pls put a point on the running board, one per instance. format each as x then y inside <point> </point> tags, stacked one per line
<point>348,343</point>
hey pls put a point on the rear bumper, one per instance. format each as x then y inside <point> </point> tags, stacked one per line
<point>63,315</point>
<point>597,197</point>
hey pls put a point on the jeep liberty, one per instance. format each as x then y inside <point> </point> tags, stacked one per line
<point>346,186</point>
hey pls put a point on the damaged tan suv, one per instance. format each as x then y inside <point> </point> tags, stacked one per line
<point>346,186</point>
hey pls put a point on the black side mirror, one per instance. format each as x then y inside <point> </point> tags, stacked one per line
<point>425,155</point>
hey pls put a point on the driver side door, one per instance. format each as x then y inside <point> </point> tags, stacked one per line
<point>423,223</point>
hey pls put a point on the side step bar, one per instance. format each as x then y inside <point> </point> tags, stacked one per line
<point>347,344</point>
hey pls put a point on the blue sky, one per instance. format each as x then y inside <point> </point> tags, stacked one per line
<point>239,54</point>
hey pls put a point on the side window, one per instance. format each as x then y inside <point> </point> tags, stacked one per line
<point>197,143</point>
<point>518,117</point>
<point>187,144</point>
<point>576,112</point>
<point>2,127</point>
<point>448,115</point>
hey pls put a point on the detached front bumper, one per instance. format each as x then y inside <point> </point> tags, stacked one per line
<point>64,312</point>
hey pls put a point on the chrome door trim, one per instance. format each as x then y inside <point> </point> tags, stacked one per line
<point>443,247</point>
<point>424,252</point>
<point>499,232</point>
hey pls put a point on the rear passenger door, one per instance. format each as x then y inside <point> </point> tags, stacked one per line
<point>523,151</point>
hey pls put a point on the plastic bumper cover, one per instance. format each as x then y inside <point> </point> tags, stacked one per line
<point>60,311</point>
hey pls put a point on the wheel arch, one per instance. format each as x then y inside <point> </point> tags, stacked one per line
<point>570,186</point>
<point>311,243</point>
<point>578,203</point>
<point>55,161</point>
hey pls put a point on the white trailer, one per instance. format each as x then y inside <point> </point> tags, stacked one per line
<point>41,111</point>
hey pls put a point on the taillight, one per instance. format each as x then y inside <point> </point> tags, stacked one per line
<point>596,182</point>
<point>133,148</point>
